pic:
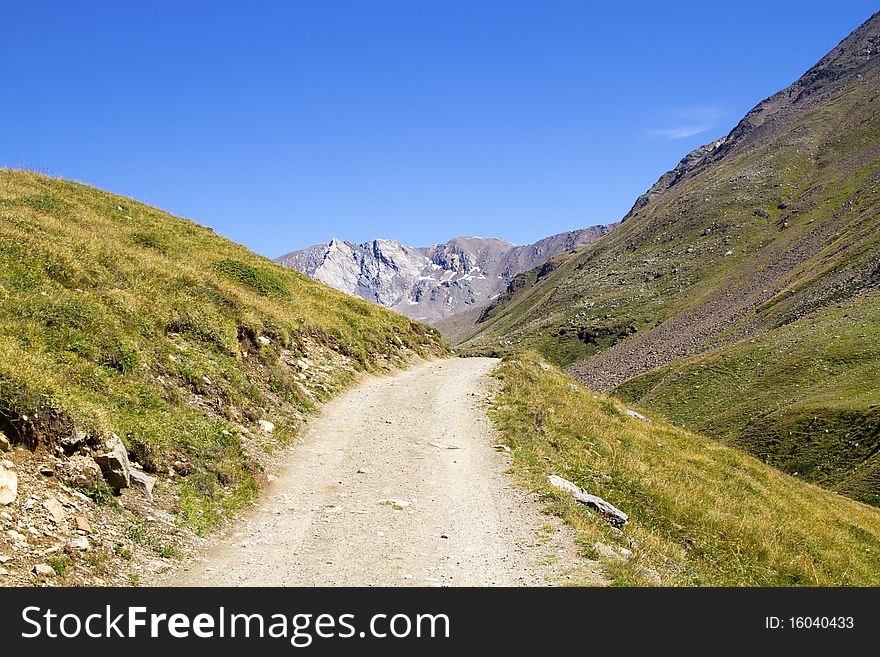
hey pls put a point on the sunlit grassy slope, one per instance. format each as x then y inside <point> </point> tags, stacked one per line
<point>805,397</point>
<point>701,513</point>
<point>117,317</point>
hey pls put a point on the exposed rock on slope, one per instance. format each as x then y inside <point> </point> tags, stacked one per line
<point>433,282</point>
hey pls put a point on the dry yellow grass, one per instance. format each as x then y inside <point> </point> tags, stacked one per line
<point>701,513</point>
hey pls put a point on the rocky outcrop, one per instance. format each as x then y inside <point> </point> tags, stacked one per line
<point>143,483</point>
<point>688,163</point>
<point>433,282</point>
<point>114,464</point>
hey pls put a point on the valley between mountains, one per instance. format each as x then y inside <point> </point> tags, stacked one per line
<point>688,397</point>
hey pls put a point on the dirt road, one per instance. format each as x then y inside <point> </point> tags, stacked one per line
<point>396,483</point>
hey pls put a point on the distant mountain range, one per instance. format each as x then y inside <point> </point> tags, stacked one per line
<point>434,282</point>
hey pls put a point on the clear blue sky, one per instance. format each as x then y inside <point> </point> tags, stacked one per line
<point>282,124</point>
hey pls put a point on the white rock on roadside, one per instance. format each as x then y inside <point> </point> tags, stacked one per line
<point>610,512</point>
<point>266,426</point>
<point>114,463</point>
<point>81,543</point>
<point>636,415</point>
<point>159,567</point>
<point>8,486</point>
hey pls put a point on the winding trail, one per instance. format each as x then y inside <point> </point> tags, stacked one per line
<point>396,483</point>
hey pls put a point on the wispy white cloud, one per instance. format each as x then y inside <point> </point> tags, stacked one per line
<point>687,121</point>
<point>679,132</point>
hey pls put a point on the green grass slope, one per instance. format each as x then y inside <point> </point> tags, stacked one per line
<point>701,513</point>
<point>116,317</point>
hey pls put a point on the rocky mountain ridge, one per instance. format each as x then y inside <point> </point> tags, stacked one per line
<point>434,282</point>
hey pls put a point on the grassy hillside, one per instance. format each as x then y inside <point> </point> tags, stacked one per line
<point>116,317</point>
<point>701,513</point>
<point>804,397</point>
<point>735,265</point>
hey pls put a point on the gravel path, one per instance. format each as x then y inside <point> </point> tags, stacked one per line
<point>397,484</point>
